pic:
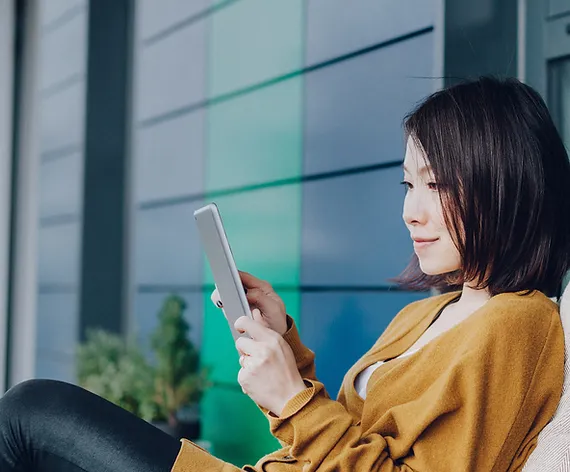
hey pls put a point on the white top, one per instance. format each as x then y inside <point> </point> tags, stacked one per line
<point>362,379</point>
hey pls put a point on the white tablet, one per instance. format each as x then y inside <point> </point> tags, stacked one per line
<point>221,260</point>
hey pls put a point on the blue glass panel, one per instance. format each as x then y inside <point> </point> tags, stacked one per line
<point>50,365</point>
<point>62,118</point>
<point>59,254</point>
<point>56,9</point>
<point>353,233</point>
<point>167,250</point>
<point>61,185</point>
<point>57,322</point>
<point>63,51</point>
<point>169,158</point>
<point>171,72</point>
<point>348,319</point>
<point>154,17</point>
<point>337,27</point>
<point>354,109</point>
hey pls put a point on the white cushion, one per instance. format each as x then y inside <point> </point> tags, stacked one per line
<point>552,452</point>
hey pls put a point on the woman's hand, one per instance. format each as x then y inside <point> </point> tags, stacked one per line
<point>268,371</point>
<point>271,311</point>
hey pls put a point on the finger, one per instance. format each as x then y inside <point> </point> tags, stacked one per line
<point>256,297</point>
<point>249,281</point>
<point>256,330</point>
<point>215,297</point>
<point>247,346</point>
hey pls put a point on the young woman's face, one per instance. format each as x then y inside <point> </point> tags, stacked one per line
<point>423,216</point>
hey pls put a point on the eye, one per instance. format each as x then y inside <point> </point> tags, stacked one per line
<point>407,185</point>
<point>433,186</point>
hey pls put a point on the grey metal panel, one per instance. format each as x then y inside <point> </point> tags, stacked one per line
<point>62,117</point>
<point>557,38</point>
<point>157,16</point>
<point>353,233</point>
<point>63,52</point>
<point>61,185</point>
<point>167,250</point>
<point>171,72</point>
<point>354,109</point>
<point>348,319</point>
<point>337,27</point>
<point>59,254</point>
<point>147,307</point>
<point>558,7</point>
<point>57,323</point>
<point>169,159</point>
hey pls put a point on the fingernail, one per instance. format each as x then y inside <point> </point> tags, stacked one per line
<point>219,304</point>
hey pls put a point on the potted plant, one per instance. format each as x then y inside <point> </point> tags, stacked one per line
<point>165,390</point>
<point>179,380</point>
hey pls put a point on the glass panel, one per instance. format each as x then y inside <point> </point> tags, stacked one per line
<point>252,41</point>
<point>54,366</point>
<point>59,254</point>
<point>62,118</point>
<point>256,138</point>
<point>155,17</point>
<point>57,327</point>
<point>348,319</point>
<point>63,51</point>
<point>354,109</point>
<point>169,159</point>
<point>353,232</point>
<point>263,229</point>
<point>54,10</point>
<point>171,72</point>
<point>559,104</point>
<point>558,7</point>
<point>61,181</point>
<point>337,27</point>
<point>218,346</point>
<point>236,427</point>
<point>167,250</point>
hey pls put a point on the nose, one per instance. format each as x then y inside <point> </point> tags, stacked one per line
<point>415,209</point>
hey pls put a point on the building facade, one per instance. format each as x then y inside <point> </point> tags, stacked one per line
<point>119,118</point>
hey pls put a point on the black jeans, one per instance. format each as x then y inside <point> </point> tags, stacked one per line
<point>51,426</point>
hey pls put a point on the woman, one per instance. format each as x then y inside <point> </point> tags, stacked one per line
<point>462,381</point>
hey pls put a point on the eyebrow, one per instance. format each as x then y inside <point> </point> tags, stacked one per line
<point>423,170</point>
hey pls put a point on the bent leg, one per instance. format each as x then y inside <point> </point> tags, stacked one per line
<point>52,426</point>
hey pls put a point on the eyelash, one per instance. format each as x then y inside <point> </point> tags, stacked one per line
<point>433,186</point>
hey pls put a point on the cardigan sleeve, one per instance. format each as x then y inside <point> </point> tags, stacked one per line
<point>304,357</point>
<point>470,413</point>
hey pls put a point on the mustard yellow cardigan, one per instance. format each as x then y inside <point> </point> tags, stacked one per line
<point>473,399</point>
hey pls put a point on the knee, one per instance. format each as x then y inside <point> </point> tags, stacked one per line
<point>26,397</point>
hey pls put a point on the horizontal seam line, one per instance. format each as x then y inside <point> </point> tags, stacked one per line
<point>184,23</point>
<point>176,113</point>
<point>160,203</point>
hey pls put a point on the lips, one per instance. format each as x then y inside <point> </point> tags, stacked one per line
<point>422,243</point>
<point>424,240</point>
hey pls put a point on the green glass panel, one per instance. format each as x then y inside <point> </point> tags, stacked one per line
<point>256,137</point>
<point>237,429</point>
<point>264,232</point>
<point>252,41</point>
<point>218,346</point>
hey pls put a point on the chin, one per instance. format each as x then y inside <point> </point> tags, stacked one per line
<point>433,268</point>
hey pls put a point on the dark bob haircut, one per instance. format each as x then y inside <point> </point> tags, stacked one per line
<point>504,180</point>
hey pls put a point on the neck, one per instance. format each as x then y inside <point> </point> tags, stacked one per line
<point>472,297</point>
